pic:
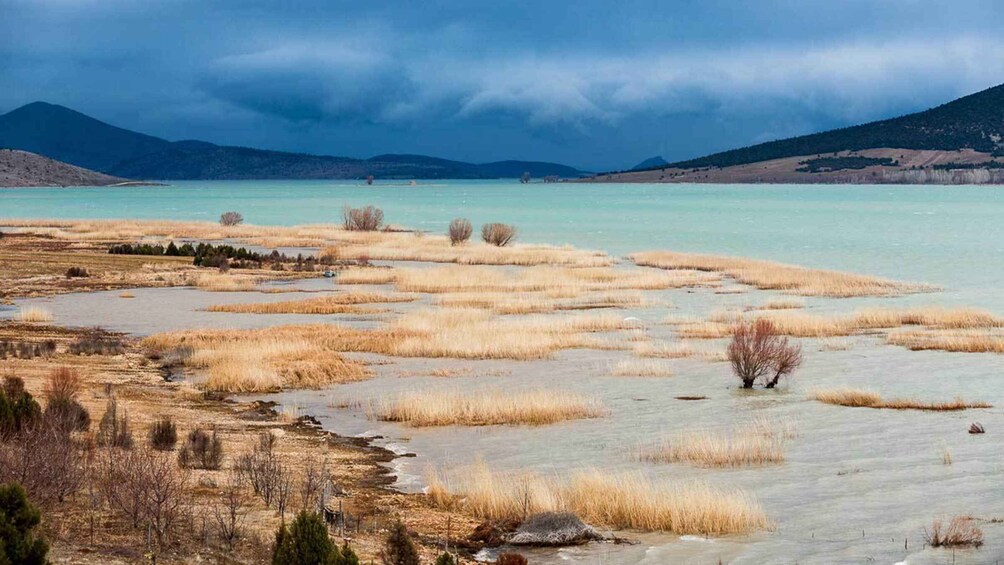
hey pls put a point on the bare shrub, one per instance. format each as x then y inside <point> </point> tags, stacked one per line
<point>231,510</point>
<point>460,231</point>
<point>368,218</point>
<point>44,459</point>
<point>498,235</point>
<point>976,428</point>
<point>315,475</point>
<point>77,273</point>
<point>163,434</point>
<point>201,450</point>
<point>62,409</point>
<point>960,531</point>
<point>97,343</point>
<point>145,487</point>
<point>113,430</point>
<point>758,353</point>
<point>231,219</point>
<point>165,493</point>
<point>62,383</point>
<point>262,469</point>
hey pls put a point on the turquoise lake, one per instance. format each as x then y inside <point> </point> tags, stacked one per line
<point>951,236</point>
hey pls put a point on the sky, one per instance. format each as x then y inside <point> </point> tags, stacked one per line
<point>593,84</point>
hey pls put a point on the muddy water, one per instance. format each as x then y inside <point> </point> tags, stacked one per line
<point>859,485</point>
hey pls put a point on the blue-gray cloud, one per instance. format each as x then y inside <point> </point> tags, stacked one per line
<point>589,83</point>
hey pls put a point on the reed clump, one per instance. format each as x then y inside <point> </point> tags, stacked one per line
<point>35,314</point>
<point>957,341</point>
<point>341,303</point>
<point>960,531</point>
<point>641,368</point>
<point>488,407</point>
<point>769,275</point>
<point>854,397</point>
<point>622,501</point>
<point>740,448</point>
<point>223,282</point>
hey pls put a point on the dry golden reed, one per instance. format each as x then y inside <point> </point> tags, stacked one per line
<point>768,275</point>
<point>341,303</point>
<point>867,399</point>
<point>35,314</point>
<point>616,500</point>
<point>739,448</point>
<point>488,407</point>
<point>641,368</point>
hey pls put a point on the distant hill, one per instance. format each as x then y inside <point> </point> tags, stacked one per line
<point>21,168</point>
<point>650,163</point>
<point>961,142</point>
<point>973,122</point>
<point>68,135</point>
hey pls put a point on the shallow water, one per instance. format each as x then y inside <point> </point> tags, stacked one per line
<point>858,484</point>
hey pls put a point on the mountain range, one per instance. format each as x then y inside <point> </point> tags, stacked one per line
<point>961,141</point>
<point>69,136</point>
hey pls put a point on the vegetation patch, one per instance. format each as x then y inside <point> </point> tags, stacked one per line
<point>852,162</point>
<point>854,397</point>
<point>485,408</point>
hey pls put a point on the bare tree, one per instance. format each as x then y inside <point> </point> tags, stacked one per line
<point>312,487</point>
<point>758,353</point>
<point>231,219</point>
<point>231,509</point>
<point>460,231</point>
<point>165,491</point>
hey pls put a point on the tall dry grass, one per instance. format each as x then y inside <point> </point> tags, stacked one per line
<point>739,448</point>
<point>805,324</point>
<point>957,341</point>
<point>223,282</point>
<point>488,407</point>
<point>768,275</point>
<point>537,302</point>
<point>352,245</point>
<point>621,501</point>
<point>263,360</point>
<point>35,314</point>
<point>641,368</point>
<point>341,303</point>
<point>476,334</point>
<point>867,399</point>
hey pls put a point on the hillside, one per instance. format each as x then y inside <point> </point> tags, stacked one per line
<point>972,122</point>
<point>961,142</point>
<point>68,135</point>
<point>21,168</point>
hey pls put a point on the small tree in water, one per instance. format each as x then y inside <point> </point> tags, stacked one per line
<point>231,219</point>
<point>758,352</point>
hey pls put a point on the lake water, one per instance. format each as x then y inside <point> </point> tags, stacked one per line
<point>858,485</point>
<point>952,236</point>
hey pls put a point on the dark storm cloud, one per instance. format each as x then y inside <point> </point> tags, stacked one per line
<point>592,83</point>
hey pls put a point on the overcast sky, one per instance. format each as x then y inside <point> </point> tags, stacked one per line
<point>599,85</point>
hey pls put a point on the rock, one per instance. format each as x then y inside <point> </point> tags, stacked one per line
<point>553,529</point>
<point>976,428</point>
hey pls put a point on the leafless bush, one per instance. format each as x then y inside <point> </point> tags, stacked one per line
<point>315,474</point>
<point>961,531</point>
<point>499,235</point>
<point>262,469</point>
<point>460,231</point>
<point>368,218</point>
<point>77,272</point>
<point>165,492</point>
<point>976,428</point>
<point>758,352</point>
<point>145,487</point>
<point>231,509</point>
<point>201,450</point>
<point>96,343</point>
<point>45,460</point>
<point>62,383</point>
<point>62,409</point>
<point>231,219</point>
<point>511,559</point>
